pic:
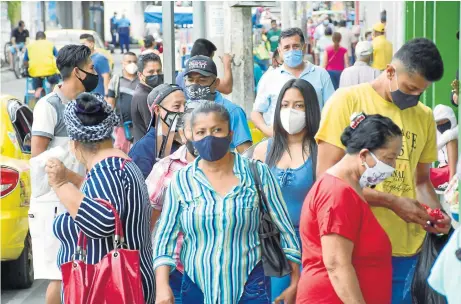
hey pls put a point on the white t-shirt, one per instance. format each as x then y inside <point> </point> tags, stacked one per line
<point>49,122</point>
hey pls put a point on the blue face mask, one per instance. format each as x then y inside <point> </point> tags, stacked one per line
<point>212,148</point>
<point>293,58</point>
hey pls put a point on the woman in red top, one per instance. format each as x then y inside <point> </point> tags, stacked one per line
<point>335,59</point>
<point>346,253</point>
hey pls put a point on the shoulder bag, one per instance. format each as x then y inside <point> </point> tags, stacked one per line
<point>274,260</point>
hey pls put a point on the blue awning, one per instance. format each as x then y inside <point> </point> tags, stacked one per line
<point>179,18</point>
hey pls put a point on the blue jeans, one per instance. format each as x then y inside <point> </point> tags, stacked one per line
<point>278,285</point>
<point>256,289</point>
<point>175,284</point>
<point>335,76</point>
<point>403,270</point>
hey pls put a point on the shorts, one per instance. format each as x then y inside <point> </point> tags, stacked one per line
<point>19,45</point>
<point>45,246</point>
<point>440,176</point>
<point>37,82</point>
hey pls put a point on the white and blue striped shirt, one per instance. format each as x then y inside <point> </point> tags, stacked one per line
<point>221,242</point>
<point>121,183</point>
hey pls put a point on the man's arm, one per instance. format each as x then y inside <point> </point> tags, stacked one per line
<point>243,147</point>
<point>106,78</point>
<point>226,83</point>
<point>425,194</point>
<point>408,209</point>
<point>327,156</point>
<point>258,121</point>
<point>39,145</point>
<point>452,151</point>
<point>262,105</point>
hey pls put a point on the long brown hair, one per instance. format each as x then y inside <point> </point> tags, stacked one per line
<point>336,40</point>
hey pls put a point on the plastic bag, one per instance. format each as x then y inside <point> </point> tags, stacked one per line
<point>421,292</point>
<point>38,176</point>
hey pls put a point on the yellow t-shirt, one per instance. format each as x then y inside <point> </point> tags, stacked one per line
<point>382,52</point>
<point>419,146</point>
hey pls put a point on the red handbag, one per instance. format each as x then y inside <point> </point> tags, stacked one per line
<point>115,279</point>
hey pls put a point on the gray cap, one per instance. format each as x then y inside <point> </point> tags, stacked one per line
<point>158,94</point>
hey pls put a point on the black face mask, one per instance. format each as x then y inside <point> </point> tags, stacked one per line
<point>402,100</point>
<point>154,80</point>
<point>90,82</point>
<point>444,127</point>
<point>170,117</point>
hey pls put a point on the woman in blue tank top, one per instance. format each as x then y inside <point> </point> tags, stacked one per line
<point>292,153</point>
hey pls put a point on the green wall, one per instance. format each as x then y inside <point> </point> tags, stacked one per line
<point>438,21</point>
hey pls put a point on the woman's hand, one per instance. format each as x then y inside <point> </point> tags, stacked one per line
<point>288,296</point>
<point>57,173</point>
<point>164,295</point>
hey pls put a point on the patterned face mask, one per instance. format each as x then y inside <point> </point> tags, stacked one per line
<point>199,92</point>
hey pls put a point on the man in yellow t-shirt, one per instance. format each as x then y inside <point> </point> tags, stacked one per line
<point>396,201</point>
<point>41,62</point>
<point>382,48</point>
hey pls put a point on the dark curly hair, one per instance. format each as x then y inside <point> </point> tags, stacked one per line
<point>373,133</point>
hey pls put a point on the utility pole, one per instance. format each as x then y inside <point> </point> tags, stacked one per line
<point>241,38</point>
<point>288,12</point>
<point>199,15</point>
<point>169,41</point>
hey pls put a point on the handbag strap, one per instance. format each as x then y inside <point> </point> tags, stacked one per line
<point>119,237</point>
<point>257,180</point>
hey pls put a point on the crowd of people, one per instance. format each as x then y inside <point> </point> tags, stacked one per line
<point>342,174</point>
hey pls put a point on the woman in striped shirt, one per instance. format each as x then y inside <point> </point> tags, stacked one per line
<point>112,177</point>
<point>214,202</point>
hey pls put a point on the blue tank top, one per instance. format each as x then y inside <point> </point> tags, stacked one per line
<point>295,184</point>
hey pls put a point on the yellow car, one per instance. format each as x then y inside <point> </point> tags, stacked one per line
<point>64,37</point>
<point>15,140</point>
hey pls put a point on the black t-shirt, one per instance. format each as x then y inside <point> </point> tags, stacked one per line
<point>140,113</point>
<point>20,36</point>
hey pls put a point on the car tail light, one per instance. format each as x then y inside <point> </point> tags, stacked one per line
<point>9,180</point>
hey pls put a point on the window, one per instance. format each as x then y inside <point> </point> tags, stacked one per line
<point>21,117</point>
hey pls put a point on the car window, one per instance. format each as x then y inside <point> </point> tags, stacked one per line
<point>22,118</point>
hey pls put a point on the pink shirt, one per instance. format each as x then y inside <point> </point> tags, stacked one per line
<point>335,60</point>
<point>157,183</point>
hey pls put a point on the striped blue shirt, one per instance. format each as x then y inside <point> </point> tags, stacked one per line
<point>221,242</point>
<point>120,182</point>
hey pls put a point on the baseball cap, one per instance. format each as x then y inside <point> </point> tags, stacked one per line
<point>201,64</point>
<point>379,27</point>
<point>158,94</point>
<point>363,48</point>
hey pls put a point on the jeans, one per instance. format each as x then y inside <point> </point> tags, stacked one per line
<point>256,289</point>
<point>278,285</point>
<point>176,278</point>
<point>403,270</point>
<point>335,76</point>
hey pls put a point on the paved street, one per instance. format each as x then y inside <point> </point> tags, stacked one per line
<point>16,87</point>
<point>33,295</point>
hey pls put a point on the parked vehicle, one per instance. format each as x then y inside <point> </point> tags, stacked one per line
<point>16,245</point>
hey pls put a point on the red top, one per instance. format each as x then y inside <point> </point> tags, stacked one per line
<point>333,206</point>
<point>335,60</point>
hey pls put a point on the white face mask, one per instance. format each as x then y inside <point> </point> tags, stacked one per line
<point>293,121</point>
<point>131,68</point>
<point>375,175</point>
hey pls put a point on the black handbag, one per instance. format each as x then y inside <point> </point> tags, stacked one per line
<point>274,260</point>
